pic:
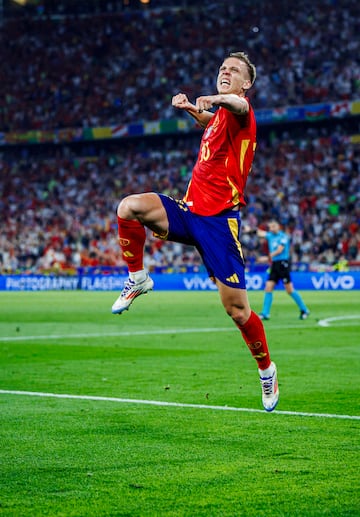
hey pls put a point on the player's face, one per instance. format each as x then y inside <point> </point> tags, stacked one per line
<point>233,76</point>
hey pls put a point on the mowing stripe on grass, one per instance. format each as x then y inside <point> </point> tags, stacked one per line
<point>326,322</point>
<point>173,404</point>
<point>140,333</point>
<point>115,334</point>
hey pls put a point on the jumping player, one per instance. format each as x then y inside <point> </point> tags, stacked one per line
<point>208,217</point>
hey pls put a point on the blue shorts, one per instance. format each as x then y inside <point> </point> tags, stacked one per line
<point>215,237</point>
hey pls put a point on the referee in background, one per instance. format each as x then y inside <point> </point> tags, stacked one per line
<point>280,269</point>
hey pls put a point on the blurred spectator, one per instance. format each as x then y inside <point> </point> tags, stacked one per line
<point>84,70</point>
<point>87,68</point>
<point>60,213</point>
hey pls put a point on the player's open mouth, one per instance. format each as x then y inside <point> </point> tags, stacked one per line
<point>224,82</point>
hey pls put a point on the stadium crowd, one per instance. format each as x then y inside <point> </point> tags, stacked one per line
<point>58,214</point>
<point>118,66</point>
<point>79,71</point>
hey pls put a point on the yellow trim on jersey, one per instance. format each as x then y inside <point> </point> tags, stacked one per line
<point>187,191</point>
<point>234,228</point>
<point>234,192</point>
<point>244,147</point>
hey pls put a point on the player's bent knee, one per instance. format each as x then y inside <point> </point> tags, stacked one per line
<point>128,207</point>
<point>239,315</point>
<point>240,319</point>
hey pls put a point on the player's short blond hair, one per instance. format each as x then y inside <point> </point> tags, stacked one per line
<point>250,66</point>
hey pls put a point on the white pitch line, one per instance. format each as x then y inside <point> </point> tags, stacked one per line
<point>174,404</point>
<point>326,322</point>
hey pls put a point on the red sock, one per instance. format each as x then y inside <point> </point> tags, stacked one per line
<point>132,240</point>
<point>254,335</point>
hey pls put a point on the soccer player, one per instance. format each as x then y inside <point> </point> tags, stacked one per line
<point>208,216</point>
<point>280,270</point>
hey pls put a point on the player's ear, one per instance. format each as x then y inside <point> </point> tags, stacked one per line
<point>247,84</point>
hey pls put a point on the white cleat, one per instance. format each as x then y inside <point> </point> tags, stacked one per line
<point>130,291</point>
<point>270,388</point>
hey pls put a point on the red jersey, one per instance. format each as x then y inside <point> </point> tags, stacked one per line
<point>224,161</point>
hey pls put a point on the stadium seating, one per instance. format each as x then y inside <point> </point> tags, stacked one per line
<point>64,69</point>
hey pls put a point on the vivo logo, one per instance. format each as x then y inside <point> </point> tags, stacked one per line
<point>254,282</point>
<point>199,284</point>
<point>327,281</point>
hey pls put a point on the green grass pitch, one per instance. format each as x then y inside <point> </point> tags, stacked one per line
<point>100,457</point>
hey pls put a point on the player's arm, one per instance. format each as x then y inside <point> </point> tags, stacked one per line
<point>270,257</point>
<point>246,228</point>
<point>261,233</point>
<point>276,252</point>
<point>202,117</point>
<point>229,101</point>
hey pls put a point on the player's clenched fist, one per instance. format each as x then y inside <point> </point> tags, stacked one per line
<point>181,101</point>
<point>206,102</point>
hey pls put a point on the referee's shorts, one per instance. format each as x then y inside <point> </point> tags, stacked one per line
<point>280,271</point>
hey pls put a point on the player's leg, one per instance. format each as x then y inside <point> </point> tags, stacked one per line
<point>268,299</point>
<point>236,304</point>
<point>304,311</point>
<point>133,214</point>
<point>223,258</point>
